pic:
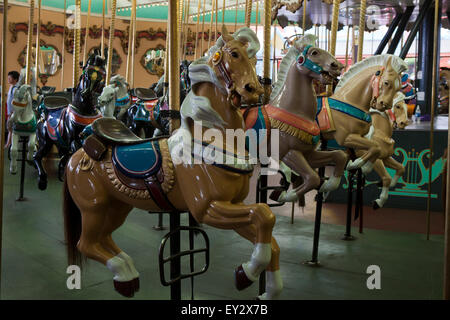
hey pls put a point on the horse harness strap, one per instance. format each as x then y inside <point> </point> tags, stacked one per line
<point>153,184</point>
<point>218,62</point>
<point>349,110</point>
<point>376,83</point>
<point>307,63</point>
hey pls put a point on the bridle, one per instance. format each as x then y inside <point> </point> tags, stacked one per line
<point>304,61</point>
<point>217,61</point>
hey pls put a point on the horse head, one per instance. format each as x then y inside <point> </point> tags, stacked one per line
<point>316,63</point>
<point>93,78</point>
<point>108,95</point>
<point>400,111</point>
<point>22,98</point>
<point>230,58</point>
<point>387,82</point>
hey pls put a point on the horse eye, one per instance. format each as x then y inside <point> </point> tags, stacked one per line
<point>314,53</point>
<point>234,54</point>
<point>386,83</point>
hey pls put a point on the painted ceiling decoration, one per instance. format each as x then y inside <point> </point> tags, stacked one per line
<point>285,11</point>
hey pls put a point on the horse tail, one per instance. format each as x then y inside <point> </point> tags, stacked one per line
<point>72,226</point>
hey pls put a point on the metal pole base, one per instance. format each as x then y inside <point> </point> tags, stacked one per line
<point>311,263</point>
<point>21,199</point>
<point>348,237</point>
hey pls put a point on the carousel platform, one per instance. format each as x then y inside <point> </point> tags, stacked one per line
<point>34,259</point>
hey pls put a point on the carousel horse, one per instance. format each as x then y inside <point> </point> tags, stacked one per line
<point>380,132</point>
<point>103,182</point>
<point>61,122</point>
<point>344,117</point>
<point>292,110</point>
<point>115,98</point>
<point>145,118</point>
<point>22,123</point>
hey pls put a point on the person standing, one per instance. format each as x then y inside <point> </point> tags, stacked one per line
<point>13,80</point>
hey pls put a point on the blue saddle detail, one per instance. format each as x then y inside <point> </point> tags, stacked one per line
<point>260,124</point>
<point>55,124</point>
<point>350,110</point>
<point>144,114</point>
<point>138,161</point>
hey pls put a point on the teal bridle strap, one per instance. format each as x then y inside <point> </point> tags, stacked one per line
<point>305,62</point>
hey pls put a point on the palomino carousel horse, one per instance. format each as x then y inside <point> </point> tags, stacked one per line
<point>292,110</point>
<point>104,182</point>
<point>22,123</point>
<point>146,117</point>
<point>344,117</point>
<point>380,132</point>
<point>62,122</point>
<point>115,98</point>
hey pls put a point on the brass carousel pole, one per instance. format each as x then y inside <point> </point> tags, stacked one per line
<point>131,36</point>
<point>3,120</point>
<point>215,27</point>
<point>333,36</point>
<point>38,40</point>
<point>433,108</point>
<point>346,48</point>
<point>196,29</point>
<point>235,17</point>
<point>203,30</point>
<point>223,12</point>
<point>267,24</point>
<point>86,36</point>
<point>63,46</point>
<point>447,224</point>
<point>180,23</point>
<point>186,28</point>
<point>30,43</point>
<point>211,23</point>
<point>304,18</point>
<point>248,13</point>
<point>133,44</point>
<point>257,17</point>
<point>362,27</point>
<point>111,41</point>
<point>174,74</point>
<point>102,45</point>
<point>76,44</point>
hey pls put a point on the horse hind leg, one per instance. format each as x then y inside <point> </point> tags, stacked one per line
<point>44,148</point>
<point>14,153</point>
<point>129,283</point>
<point>225,215</point>
<point>386,182</point>
<point>397,166</point>
<point>274,282</point>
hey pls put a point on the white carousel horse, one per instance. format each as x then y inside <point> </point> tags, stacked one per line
<point>23,123</point>
<point>115,99</point>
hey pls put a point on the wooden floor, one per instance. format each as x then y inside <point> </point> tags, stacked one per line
<point>34,260</point>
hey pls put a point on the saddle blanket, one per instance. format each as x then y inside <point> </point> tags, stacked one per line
<point>138,161</point>
<point>55,123</point>
<point>147,111</point>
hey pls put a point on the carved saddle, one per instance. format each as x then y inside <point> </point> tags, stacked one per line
<point>136,163</point>
<point>55,110</point>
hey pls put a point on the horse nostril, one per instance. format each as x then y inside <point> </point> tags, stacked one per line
<point>249,88</point>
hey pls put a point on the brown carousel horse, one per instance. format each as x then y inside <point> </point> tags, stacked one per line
<point>380,132</point>
<point>104,180</point>
<point>344,117</point>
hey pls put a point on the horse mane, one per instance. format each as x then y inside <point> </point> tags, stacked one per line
<point>293,52</point>
<point>397,63</point>
<point>22,91</point>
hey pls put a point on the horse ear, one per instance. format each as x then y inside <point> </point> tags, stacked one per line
<point>225,35</point>
<point>389,64</point>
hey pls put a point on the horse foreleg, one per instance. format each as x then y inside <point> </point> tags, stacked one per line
<point>274,282</point>
<point>44,148</point>
<point>391,163</point>
<point>14,153</point>
<point>226,215</point>
<point>31,146</point>
<point>318,159</point>
<point>360,143</point>
<point>386,180</point>
<point>295,160</point>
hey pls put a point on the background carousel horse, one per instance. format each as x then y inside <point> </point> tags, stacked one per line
<point>380,132</point>
<point>61,122</point>
<point>115,98</point>
<point>292,110</point>
<point>22,123</point>
<point>99,184</point>
<point>146,118</point>
<point>344,117</point>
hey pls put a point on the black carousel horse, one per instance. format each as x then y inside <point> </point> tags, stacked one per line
<point>150,114</point>
<point>61,123</point>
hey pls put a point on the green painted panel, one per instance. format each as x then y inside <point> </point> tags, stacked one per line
<point>96,5</point>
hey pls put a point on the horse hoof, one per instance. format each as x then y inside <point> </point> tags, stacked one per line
<point>42,185</point>
<point>136,284</point>
<point>275,195</point>
<point>375,205</point>
<point>241,280</point>
<point>125,288</point>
